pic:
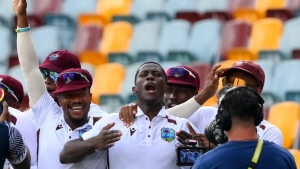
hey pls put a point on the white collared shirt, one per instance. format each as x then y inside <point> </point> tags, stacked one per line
<point>146,144</point>
<point>265,130</point>
<point>54,132</point>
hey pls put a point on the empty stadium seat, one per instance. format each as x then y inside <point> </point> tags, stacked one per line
<point>87,37</point>
<point>93,57</point>
<point>45,47</point>
<point>235,33</point>
<point>258,11</point>
<point>204,40</point>
<point>43,7</point>
<point>202,69</point>
<point>128,82</point>
<point>5,43</point>
<point>145,38</point>
<point>140,8</point>
<point>296,154</point>
<point>90,18</point>
<point>105,82</point>
<point>290,40</point>
<point>66,26</point>
<point>174,38</point>
<point>265,35</point>
<point>191,16</point>
<point>7,12</point>
<point>116,38</point>
<point>174,6</point>
<point>233,5</point>
<point>73,8</point>
<point>109,8</point>
<point>285,116</point>
<point>211,5</point>
<point>17,73</point>
<point>87,66</point>
<point>283,81</point>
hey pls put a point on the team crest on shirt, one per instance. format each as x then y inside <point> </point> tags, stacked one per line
<point>175,74</point>
<point>53,57</point>
<point>168,134</point>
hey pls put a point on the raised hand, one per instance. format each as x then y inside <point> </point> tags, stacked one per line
<point>212,80</point>
<point>127,114</point>
<point>20,7</point>
<point>183,135</point>
<point>5,116</point>
<point>106,138</point>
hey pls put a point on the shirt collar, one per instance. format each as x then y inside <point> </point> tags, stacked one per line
<point>89,124</point>
<point>161,113</point>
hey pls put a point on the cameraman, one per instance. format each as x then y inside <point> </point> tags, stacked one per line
<point>240,110</point>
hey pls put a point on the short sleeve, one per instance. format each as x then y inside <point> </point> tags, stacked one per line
<point>17,149</point>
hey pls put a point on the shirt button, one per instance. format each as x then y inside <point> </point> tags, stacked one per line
<point>146,118</point>
<point>69,137</point>
<point>69,129</point>
<point>148,135</point>
<point>149,127</point>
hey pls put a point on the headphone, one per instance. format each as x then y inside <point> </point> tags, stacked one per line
<point>223,118</point>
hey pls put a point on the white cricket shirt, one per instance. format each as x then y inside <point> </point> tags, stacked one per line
<point>54,132</point>
<point>265,130</point>
<point>144,145</point>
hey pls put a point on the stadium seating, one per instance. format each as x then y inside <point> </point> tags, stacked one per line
<point>265,35</point>
<point>296,154</point>
<point>73,11</point>
<point>5,35</point>
<point>140,8</point>
<point>116,38</point>
<point>174,6</point>
<point>16,72</point>
<point>105,82</point>
<point>285,116</point>
<point>45,47</point>
<point>87,37</point>
<point>207,33</point>
<point>93,57</point>
<point>174,37</point>
<point>202,69</point>
<point>108,8</point>
<point>258,11</point>
<point>235,34</point>
<point>43,7</point>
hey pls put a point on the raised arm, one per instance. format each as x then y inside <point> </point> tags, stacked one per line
<point>27,55</point>
<point>188,108</point>
<point>76,150</point>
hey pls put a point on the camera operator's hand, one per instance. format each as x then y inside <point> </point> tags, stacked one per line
<point>183,135</point>
<point>127,114</point>
<point>205,142</point>
<point>5,116</point>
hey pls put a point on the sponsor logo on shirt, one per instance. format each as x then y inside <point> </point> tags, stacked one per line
<point>167,134</point>
<point>84,130</point>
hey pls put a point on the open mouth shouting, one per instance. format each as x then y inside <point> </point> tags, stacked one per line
<point>150,88</point>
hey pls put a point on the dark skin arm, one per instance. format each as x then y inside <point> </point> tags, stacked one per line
<point>127,112</point>
<point>183,135</point>
<point>76,150</point>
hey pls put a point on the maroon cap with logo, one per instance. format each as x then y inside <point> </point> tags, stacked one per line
<point>249,67</point>
<point>14,85</point>
<point>61,60</point>
<point>183,75</point>
<point>73,79</point>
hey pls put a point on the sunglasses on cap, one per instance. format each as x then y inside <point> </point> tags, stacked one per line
<point>233,81</point>
<point>180,72</point>
<point>8,91</point>
<point>48,73</point>
<point>71,76</point>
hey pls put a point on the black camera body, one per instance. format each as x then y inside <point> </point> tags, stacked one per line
<point>189,153</point>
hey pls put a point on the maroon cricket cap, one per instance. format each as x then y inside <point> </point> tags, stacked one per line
<point>82,79</point>
<point>14,85</point>
<point>191,77</point>
<point>249,67</point>
<point>61,60</point>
